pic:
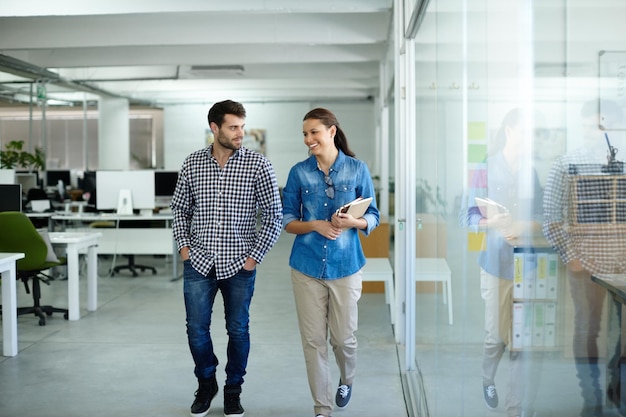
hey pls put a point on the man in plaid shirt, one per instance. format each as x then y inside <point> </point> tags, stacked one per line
<point>219,192</point>
<point>586,254</point>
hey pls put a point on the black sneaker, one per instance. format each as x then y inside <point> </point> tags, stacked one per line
<point>491,396</point>
<point>207,389</point>
<point>232,404</point>
<point>344,392</point>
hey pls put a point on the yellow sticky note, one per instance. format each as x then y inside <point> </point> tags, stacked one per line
<point>476,241</point>
<point>476,130</point>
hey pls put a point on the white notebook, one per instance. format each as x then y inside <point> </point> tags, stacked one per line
<point>356,208</point>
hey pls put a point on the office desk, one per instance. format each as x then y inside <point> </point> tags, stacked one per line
<point>9,302</point>
<point>40,216</point>
<point>616,286</point>
<point>74,242</point>
<point>127,241</point>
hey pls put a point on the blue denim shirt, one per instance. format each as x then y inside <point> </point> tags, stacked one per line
<point>503,186</point>
<point>304,198</point>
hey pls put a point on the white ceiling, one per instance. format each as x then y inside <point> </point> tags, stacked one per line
<point>163,52</point>
<point>194,51</point>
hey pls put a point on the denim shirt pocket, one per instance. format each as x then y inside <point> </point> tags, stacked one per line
<point>345,192</point>
<point>313,201</point>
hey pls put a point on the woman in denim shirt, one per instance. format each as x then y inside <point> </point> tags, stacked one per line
<point>326,257</point>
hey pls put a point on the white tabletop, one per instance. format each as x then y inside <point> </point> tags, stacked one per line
<point>73,237</point>
<point>111,216</point>
<point>41,214</point>
<point>8,257</point>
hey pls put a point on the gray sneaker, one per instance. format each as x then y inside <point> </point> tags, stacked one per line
<point>491,396</point>
<point>342,398</point>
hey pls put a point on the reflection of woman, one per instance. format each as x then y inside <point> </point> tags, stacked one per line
<point>326,258</point>
<point>506,172</point>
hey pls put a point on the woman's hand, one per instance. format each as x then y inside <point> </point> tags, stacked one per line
<point>327,229</point>
<point>347,221</point>
<point>501,221</point>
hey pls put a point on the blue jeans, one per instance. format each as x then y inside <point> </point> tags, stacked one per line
<point>199,292</point>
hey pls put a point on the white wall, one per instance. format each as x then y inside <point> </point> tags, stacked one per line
<point>184,129</point>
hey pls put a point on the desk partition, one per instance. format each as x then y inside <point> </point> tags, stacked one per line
<point>119,240</point>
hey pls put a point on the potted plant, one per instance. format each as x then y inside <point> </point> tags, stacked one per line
<point>429,199</point>
<point>14,156</point>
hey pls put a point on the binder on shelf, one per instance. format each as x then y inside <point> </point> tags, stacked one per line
<point>552,276</point>
<point>549,331</point>
<point>530,275</point>
<point>538,324</point>
<point>518,275</point>
<point>528,324</point>
<point>518,326</point>
<point>541,285</point>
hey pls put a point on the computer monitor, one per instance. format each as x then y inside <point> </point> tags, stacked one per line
<point>28,180</point>
<point>164,186</point>
<point>165,183</point>
<point>140,183</point>
<point>53,177</point>
<point>10,197</point>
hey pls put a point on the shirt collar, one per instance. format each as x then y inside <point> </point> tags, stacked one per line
<point>239,152</point>
<point>311,163</point>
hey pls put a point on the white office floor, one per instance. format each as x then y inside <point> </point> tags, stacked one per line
<point>130,358</point>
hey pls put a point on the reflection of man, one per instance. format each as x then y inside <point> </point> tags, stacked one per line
<point>584,255</point>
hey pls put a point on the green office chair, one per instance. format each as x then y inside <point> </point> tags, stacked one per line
<point>18,234</point>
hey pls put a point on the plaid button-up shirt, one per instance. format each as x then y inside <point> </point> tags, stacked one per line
<point>215,210</point>
<point>580,213</point>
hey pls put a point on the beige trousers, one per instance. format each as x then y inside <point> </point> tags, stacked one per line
<point>327,308</point>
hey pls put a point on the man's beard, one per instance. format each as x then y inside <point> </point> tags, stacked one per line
<point>225,143</point>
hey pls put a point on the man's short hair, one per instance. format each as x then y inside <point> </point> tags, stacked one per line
<point>608,112</point>
<point>219,110</point>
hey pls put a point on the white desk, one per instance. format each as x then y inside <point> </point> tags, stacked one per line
<point>436,269</point>
<point>123,241</point>
<point>73,242</point>
<point>9,302</point>
<point>379,269</point>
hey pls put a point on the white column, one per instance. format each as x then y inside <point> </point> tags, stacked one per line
<point>113,134</point>
<point>382,144</point>
<point>400,234</point>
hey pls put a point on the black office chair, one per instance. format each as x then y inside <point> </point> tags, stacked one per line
<point>38,194</point>
<point>133,267</point>
<point>19,235</point>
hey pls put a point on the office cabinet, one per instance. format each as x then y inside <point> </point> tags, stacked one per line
<point>538,296</point>
<point>537,289</point>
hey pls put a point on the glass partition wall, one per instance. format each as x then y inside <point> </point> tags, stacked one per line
<point>520,102</point>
